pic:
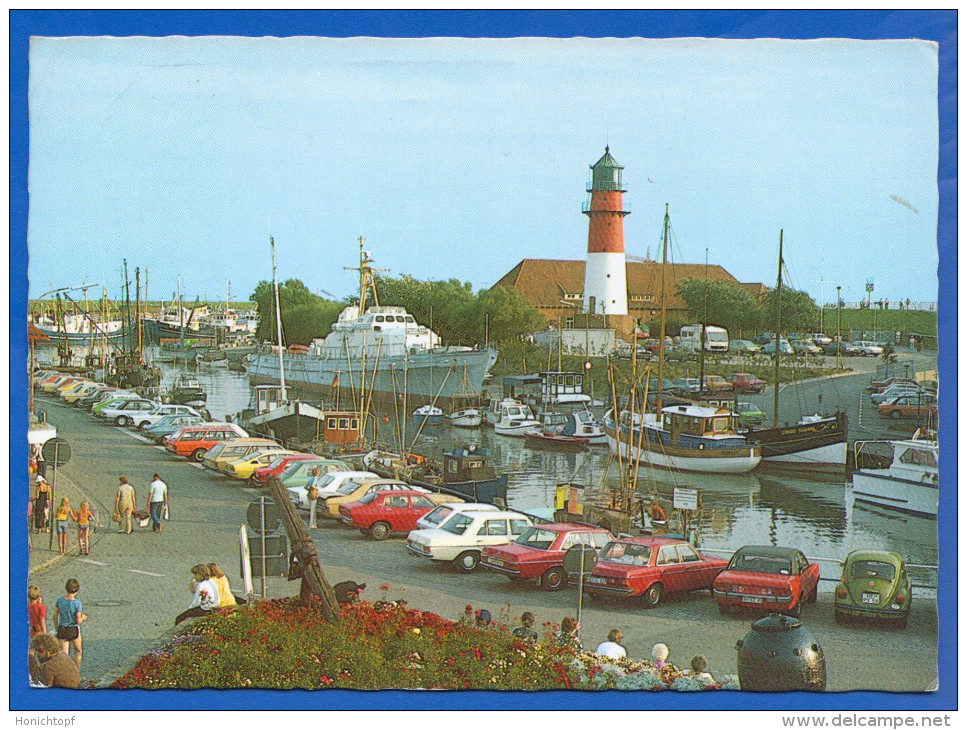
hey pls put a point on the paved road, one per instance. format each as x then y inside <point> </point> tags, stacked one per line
<point>134,585</point>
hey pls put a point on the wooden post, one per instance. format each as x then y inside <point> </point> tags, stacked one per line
<point>304,550</point>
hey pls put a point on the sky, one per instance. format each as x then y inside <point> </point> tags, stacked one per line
<point>457,158</point>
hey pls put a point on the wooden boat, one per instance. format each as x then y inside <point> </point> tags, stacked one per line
<point>555,441</point>
<point>187,392</point>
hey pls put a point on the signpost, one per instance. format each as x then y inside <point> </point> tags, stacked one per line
<point>263,517</point>
<point>685,500</point>
<point>580,559</point>
<point>56,452</point>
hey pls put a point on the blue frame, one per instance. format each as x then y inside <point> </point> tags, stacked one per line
<point>936,25</point>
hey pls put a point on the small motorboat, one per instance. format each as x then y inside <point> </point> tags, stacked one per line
<point>554,440</point>
<point>428,415</point>
<point>466,418</point>
<point>514,419</point>
<point>212,359</point>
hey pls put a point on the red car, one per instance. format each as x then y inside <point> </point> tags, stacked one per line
<point>909,406</point>
<point>767,578</point>
<point>650,567</point>
<point>539,552</point>
<point>746,383</point>
<point>382,512</point>
<point>878,386</point>
<point>276,467</point>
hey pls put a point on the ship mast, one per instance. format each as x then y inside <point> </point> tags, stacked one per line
<point>278,324</point>
<point>775,395</point>
<point>661,338</point>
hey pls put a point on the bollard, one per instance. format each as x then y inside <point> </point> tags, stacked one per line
<point>779,655</point>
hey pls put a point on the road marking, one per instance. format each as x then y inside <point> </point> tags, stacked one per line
<point>92,562</point>
<point>139,437</point>
<point>145,572</point>
<point>197,465</point>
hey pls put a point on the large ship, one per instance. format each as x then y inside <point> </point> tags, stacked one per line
<point>377,351</point>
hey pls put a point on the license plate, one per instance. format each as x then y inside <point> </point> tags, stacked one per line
<point>751,599</point>
<point>495,561</point>
<point>871,598</point>
<point>597,579</point>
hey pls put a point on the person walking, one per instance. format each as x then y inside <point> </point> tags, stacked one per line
<point>312,495</point>
<point>83,519</point>
<point>68,617</point>
<point>124,504</point>
<point>157,501</point>
<point>61,516</point>
<point>42,505</point>
<point>36,612</point>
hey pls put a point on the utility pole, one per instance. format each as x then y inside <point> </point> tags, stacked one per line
<point>839,330</point>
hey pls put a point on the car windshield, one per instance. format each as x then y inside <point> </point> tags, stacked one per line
<point>752,563</point>
<point>216,450</point>
<point>367,498</point>
<point>872,569</point>
<point>625,553</point>
<point>322,483</point>
<point>535,537</point>
<point>348,488</point>
<point>438,515</point>
<point>458,525</point>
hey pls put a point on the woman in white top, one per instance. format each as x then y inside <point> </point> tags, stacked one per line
<point>206,596</point>
<point>612,647</point>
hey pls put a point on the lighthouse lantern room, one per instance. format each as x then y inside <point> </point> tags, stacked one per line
<point>605,284</point>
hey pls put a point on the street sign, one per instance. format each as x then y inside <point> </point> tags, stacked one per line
<point>271,517</point>
<point>276,560</point>
<point>56,451</point>
<point>580,559</point>
<point>685,498</point>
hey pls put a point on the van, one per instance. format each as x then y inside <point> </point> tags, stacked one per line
<point>716,338</point>
<point>225,451</point>
<point>194,441</point>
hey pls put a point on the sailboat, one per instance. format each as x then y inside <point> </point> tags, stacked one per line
<point>466,411</point>
<point>683,437</point>
<point>817,442</point>
<point>292,420</point>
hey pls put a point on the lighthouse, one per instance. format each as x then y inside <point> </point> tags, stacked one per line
<point>605,286</point>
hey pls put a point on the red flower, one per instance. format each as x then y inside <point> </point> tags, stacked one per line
<point>325,680</point>
<point>384,587</point>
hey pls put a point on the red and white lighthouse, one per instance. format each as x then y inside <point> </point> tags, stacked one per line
<point>605,285</point>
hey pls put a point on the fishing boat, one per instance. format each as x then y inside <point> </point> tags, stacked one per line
<point>212,358</point>
<point>380,350</point>
<point>681,437</point>
<point>187,391</point>
<point>466,406</point>
<point>817,442</point>
<point>554,441</point>
<point>515,419</point>
<point>428,416</point>
<point>583,424</point>
<point>911,483</point>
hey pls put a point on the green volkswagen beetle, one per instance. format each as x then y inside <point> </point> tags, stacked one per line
<point>874,585</point>
<point>749,414</point>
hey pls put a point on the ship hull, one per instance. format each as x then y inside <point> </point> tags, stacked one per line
<point>663,456</point>
<point>819,445</point>
<point>903,495</point>
<point>423,378</point>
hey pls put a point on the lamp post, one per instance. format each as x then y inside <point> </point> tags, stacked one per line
<point>869,303</point>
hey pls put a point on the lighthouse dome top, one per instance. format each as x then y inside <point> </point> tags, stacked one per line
<point>606,173</point>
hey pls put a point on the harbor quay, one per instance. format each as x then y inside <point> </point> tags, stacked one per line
<point>133,586</point>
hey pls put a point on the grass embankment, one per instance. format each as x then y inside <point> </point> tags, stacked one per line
<point>286,644</point>
<point>906,322</point>
<point>521,358</point>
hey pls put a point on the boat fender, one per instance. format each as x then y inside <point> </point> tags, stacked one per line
<point>657,513</point>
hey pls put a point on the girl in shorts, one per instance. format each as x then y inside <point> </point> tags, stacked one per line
<point>61,516</point>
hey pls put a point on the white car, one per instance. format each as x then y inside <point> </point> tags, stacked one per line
<point>127,411</point>
<point>444,512</point>
<point>462,537</point>
<point>149,419</point>
<point>821,339</point>
<point>866,347</point>
<point>328,484</point>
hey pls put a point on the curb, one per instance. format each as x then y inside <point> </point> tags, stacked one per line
<point>112,675</point>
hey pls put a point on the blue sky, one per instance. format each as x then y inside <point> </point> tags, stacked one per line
<point>457,158</point>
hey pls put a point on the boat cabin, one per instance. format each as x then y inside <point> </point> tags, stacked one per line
<point>547,389</point>
<point>466,464</point>
<point>340,427</point>
<point>701,421</point>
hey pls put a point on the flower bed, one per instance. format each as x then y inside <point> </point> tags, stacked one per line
<point>287,644</point>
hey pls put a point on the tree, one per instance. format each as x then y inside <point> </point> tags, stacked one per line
<point>799,312</point>
<point>505,315</point>
<point>445,306</point>
<point>720,303</point>
<point>305,315</point>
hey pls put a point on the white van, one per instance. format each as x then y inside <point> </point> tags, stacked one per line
<point>716,338</point>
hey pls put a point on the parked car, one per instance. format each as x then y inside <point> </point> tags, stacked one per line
<point>460,539</point>
<point>743,347</point>
<point>277,466</point>
<point>868,348</point>
<point>353,490</point>
<point>222,453</point>
<point>874,585</point>
<point>88,391</point>
<point>650,567</point>
<point>127,412</point>
<point>820,339</point>
<point>194,441</point>
<point>845,349</point>
<point>685,386</point>
<point>242,468</point>
<point>784,348</point>
<point>539,552</point>
<point>767,578</point>
<point>383,512</point>
<point>170,424</point>
<point>296,473</point>
<point>895,391</point>
<point>878,386</point>
<point>147,419</point>
<point>112,401</point>
<point>806,347</point>
<point>747,383</point>
<point>909,406</point>
<point>328,484</point>
<point>749,413</point>
<point>445,512</point>
<point>716,383</point>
